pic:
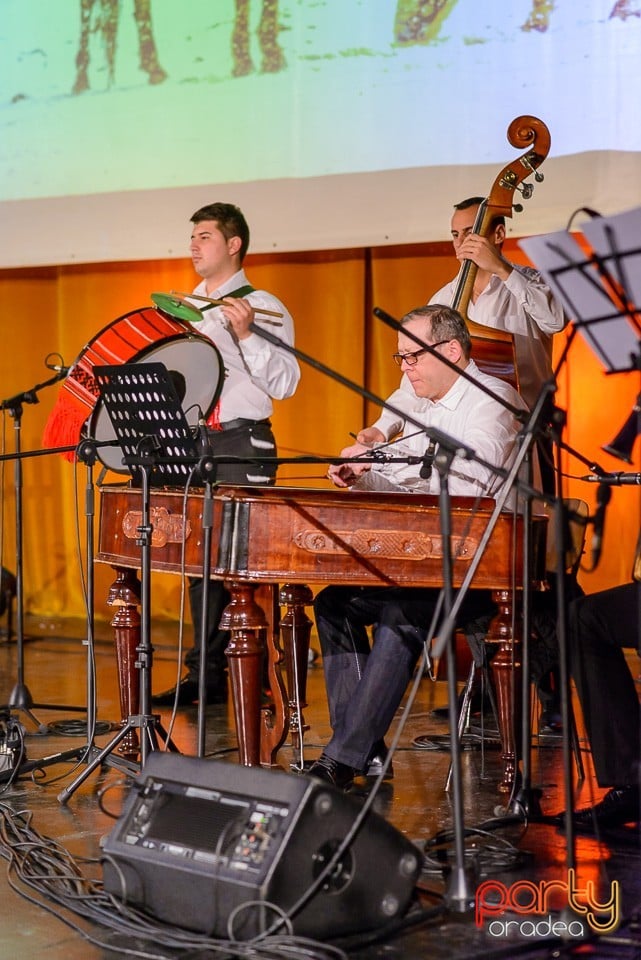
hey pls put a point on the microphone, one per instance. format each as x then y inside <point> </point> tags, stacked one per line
<point>58,368</point>
<point>602,498</point>
<point>202,441</point>
<point>428,459</point>
<point>614,479</point>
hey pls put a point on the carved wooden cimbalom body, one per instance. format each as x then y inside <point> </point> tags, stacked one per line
<point>295,537</point>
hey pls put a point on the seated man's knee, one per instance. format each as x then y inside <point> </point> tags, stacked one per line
<point>328,602</point>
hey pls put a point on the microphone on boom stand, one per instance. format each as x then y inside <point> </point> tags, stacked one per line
<point>428,460</point>
<point>614,479</point>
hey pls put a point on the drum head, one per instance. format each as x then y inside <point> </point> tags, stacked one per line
<point>197,370</point>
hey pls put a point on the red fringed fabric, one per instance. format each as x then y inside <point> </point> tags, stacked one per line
<point>213,420</point>
<point>65,423</point>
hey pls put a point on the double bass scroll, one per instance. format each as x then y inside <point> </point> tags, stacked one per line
<point>494,349</point>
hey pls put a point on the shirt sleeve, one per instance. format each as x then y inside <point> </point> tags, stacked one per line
<point>273,369</point>
<point>491,434</point>
<point>536,301</point>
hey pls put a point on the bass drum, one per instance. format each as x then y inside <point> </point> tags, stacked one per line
<point>143,336</point>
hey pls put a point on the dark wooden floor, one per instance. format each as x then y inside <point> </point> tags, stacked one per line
<point>414,802</point>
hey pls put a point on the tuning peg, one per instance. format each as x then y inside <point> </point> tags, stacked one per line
<point>537,175</point>
<point>525,189</point>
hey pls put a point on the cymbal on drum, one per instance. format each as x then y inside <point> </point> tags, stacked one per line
<point>177,307</point>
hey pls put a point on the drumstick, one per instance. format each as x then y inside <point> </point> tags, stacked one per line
<point>221,303</point>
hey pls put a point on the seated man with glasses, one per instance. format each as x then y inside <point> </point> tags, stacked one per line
<point>365,683</point>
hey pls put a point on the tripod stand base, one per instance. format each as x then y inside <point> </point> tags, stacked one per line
<point>149,725</point>
<point>20,702</point>
<point>20,699</point>
<point>131,768</point>
<point>94,757</point>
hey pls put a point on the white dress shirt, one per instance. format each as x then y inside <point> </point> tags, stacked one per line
<point>468,415</point>
<point>255,371</point>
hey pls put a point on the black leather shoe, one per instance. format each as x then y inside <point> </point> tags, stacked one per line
<point>188,694</point>
<point>331,771</point>
<point>619,805</point>
<point>376,762</point>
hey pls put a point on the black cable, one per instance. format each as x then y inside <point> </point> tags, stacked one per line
<point>78,728</point>
<point>43,872</point>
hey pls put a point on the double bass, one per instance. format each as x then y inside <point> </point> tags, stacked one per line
<point>494,349</point>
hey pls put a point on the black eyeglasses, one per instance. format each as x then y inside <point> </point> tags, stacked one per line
<point>412,358</point>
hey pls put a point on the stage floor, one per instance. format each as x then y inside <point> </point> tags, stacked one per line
<point>498,847</point>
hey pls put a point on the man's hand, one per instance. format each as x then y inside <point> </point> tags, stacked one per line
<point>369,435</point>
<point>485,255</point>
<point>345,474</point>
<point>239,314</point>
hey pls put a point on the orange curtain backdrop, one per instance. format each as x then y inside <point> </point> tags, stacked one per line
<point>402,277</point>
<point>325,293</point>
<point>597,406</point>
<point>28,304</point>
<point>331,295</point>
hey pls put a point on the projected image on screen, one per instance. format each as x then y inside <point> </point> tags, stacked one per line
<point>104,95</point>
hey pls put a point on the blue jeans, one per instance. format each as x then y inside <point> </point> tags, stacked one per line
<point>366,681</point>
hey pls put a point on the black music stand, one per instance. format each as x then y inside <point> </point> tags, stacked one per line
<point>158,449</point>
<point>600,289</point>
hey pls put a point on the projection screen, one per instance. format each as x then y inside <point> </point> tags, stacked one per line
<point>333,123</point>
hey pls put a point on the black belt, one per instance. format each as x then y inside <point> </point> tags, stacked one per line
<point>240,422</point>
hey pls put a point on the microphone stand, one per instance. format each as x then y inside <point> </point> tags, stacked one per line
<point>567,717</point>
<point>86,451</point>
<point>460,894</point>
<point>433,433</point>
<point>206,466</point>
<point>526,801</point>
<point>527,440</point>
<point>20,698</point>
<point>149,725</point>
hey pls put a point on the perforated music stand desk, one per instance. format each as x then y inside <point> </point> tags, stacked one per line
<point>149,422</point>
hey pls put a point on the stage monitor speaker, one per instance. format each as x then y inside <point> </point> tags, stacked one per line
<point>223,849</point>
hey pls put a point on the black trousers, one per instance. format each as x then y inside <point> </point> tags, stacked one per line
<point>600,626</point>
<point>250,442</point>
